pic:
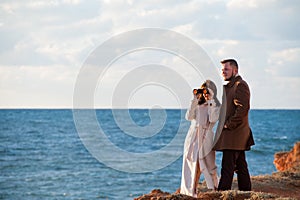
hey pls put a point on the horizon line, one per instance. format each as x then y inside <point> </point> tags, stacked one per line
<point>130,108</point>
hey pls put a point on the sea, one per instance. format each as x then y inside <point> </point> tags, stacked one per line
<point>115,154</point>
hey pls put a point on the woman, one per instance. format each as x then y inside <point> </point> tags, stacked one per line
<point>198,156</point>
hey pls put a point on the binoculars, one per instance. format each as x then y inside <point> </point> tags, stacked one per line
<point>201,91</point>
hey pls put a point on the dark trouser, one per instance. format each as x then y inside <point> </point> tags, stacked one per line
<point>234,161</point>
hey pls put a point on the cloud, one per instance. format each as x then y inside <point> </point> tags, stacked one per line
<point>41,40</point>
<point>267,19</point>
<point>36,86</point>
<point>41,32</point>
<point>284,63</point>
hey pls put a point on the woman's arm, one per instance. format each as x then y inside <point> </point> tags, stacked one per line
<point>191,112</point>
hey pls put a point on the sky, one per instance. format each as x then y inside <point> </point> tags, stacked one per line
<point>45,45</point>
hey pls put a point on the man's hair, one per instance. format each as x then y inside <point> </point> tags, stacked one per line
<point>232,62</point>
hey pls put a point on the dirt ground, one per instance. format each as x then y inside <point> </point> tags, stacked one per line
<point>279,185</point>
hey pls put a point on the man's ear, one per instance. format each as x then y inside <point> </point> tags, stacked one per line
<point>235,70</point>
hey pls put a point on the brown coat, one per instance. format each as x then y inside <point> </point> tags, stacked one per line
<point>237,135</point>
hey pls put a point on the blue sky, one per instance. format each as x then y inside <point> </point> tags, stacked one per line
<point>45,43</point>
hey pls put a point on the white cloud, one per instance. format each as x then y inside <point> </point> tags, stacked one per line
<point>33,86</point>
<point>284,63</point>
<point>46,35</point>
<point>286,55</point>
<point>187,29</point>
<point>240,4</point>
<point>9,8</point>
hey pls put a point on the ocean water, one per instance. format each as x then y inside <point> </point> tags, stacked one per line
<point>42,156</point>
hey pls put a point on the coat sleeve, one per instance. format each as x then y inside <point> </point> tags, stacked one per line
<point>191,112</point>
<point>213,111</point>
<point>242,105</point>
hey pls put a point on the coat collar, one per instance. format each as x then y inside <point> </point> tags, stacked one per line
<point>233,81</point>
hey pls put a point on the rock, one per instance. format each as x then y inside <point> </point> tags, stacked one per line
<point>154,194</point>
<point>288,161</point>
<point>283,184</point>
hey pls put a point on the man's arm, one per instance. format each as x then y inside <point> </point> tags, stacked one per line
<point>242,106</point>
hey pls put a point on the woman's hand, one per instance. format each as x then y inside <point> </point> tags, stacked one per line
<point>209,95</point>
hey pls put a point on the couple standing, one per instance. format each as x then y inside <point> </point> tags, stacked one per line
<point>236,137</point>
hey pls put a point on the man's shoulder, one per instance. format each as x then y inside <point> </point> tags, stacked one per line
<point>240,81</point>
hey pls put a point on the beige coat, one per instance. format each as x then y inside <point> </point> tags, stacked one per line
<point>238,135</point>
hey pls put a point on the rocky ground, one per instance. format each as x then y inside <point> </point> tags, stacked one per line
<point>284,184</point>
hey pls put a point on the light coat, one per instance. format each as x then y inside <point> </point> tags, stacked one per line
<point>198,147</point>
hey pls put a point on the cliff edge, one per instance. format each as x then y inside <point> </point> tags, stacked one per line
<point>284,184</point>
<point>288,161</point>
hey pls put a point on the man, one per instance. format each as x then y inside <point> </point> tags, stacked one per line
<point>236,136</point>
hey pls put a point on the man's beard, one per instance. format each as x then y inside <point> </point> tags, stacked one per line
<point>230,78</point>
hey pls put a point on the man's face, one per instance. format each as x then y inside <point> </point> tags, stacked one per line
<point>227,71</point>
